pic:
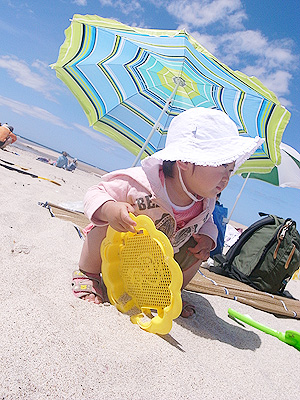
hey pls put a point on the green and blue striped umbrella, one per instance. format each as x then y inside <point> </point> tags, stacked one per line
<point>287,174</point>
<point>131,82</point>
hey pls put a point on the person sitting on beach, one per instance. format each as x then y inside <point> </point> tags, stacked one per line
<point>176,187</point>
<point>72,165</point>
<point>7,136</point>
<point>62,161</point>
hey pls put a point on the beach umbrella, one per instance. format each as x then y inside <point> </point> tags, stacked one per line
<point>131,82</point>
<point>287,173</point>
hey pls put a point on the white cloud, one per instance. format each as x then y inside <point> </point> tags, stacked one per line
<point>207,41</point>
<point>36,77</point>
<point>278,81</point>
<point>32,111</point>
<point>108,144</point>
<point>201,13</point>
<point>254,43</point>
<point>250,51</point>
<point>124,6</point>
<point>80,2</point>
<point>91,132</point>
<point>272,62</point>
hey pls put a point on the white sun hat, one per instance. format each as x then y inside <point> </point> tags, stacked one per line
<point>205,136</point>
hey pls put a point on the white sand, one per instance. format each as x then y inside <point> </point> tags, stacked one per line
<point>54,346</point>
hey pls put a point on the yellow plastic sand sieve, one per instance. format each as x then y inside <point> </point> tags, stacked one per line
<point>141,275</point>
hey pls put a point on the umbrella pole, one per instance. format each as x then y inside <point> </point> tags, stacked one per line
<point>179,82</point>
<point>238,196</point>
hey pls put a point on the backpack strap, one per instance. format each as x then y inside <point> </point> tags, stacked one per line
<point>290,257</point>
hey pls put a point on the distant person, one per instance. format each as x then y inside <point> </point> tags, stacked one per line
<point>6,135</point>
<point>72,165</point>
<point>220,214</point>
<point>62,161</point>
<point>4,132</point>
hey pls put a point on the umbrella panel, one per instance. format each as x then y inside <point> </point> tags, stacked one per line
<point>287,174</point>
<point>123,76</point>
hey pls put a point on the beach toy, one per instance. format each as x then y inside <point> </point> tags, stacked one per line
<point>27,173</point>
<point>141,275</point>
<point>10,163</point>
<point>296,276</point>
<point>290,337</point>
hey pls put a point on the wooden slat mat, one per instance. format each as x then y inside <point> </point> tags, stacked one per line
<point>77,218</point>
<point>210,283</point>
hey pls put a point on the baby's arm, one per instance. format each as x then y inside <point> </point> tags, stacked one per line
<point>109,202</point>
<point>117,215</point>
<point>206,237</point>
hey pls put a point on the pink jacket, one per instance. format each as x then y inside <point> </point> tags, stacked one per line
<point>142,188</point>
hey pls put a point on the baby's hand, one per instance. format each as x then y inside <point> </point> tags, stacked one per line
<point>117,215</point>
<point>202,248</point>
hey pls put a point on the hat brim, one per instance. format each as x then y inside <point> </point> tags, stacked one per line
<point>236,149</point>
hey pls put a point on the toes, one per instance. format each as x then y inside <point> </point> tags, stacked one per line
<point>91,298</point>
<point>188,310</point>
<point>97,300</point>
<point>186,313</point>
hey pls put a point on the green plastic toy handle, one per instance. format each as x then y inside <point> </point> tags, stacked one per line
<point>251,322</point>
<point>289,337</point>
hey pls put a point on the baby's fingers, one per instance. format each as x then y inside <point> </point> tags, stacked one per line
<point>196,249</point>
<point>200,253</point>
<point>127,223</point>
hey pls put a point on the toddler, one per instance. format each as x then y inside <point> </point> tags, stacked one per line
<point>176,187</point>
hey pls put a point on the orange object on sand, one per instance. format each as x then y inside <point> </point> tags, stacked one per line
<point>5,133</point>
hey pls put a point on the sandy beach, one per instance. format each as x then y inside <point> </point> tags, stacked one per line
<point>55,346</point>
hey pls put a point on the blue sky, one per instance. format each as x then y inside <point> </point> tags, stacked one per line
<point>259,38</point>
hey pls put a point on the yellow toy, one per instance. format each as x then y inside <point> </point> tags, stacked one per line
<point>142,276</point>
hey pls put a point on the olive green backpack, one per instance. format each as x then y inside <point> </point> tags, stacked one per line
<point>265,256</point>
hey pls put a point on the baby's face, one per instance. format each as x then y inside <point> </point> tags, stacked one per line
<point>207,181</point>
